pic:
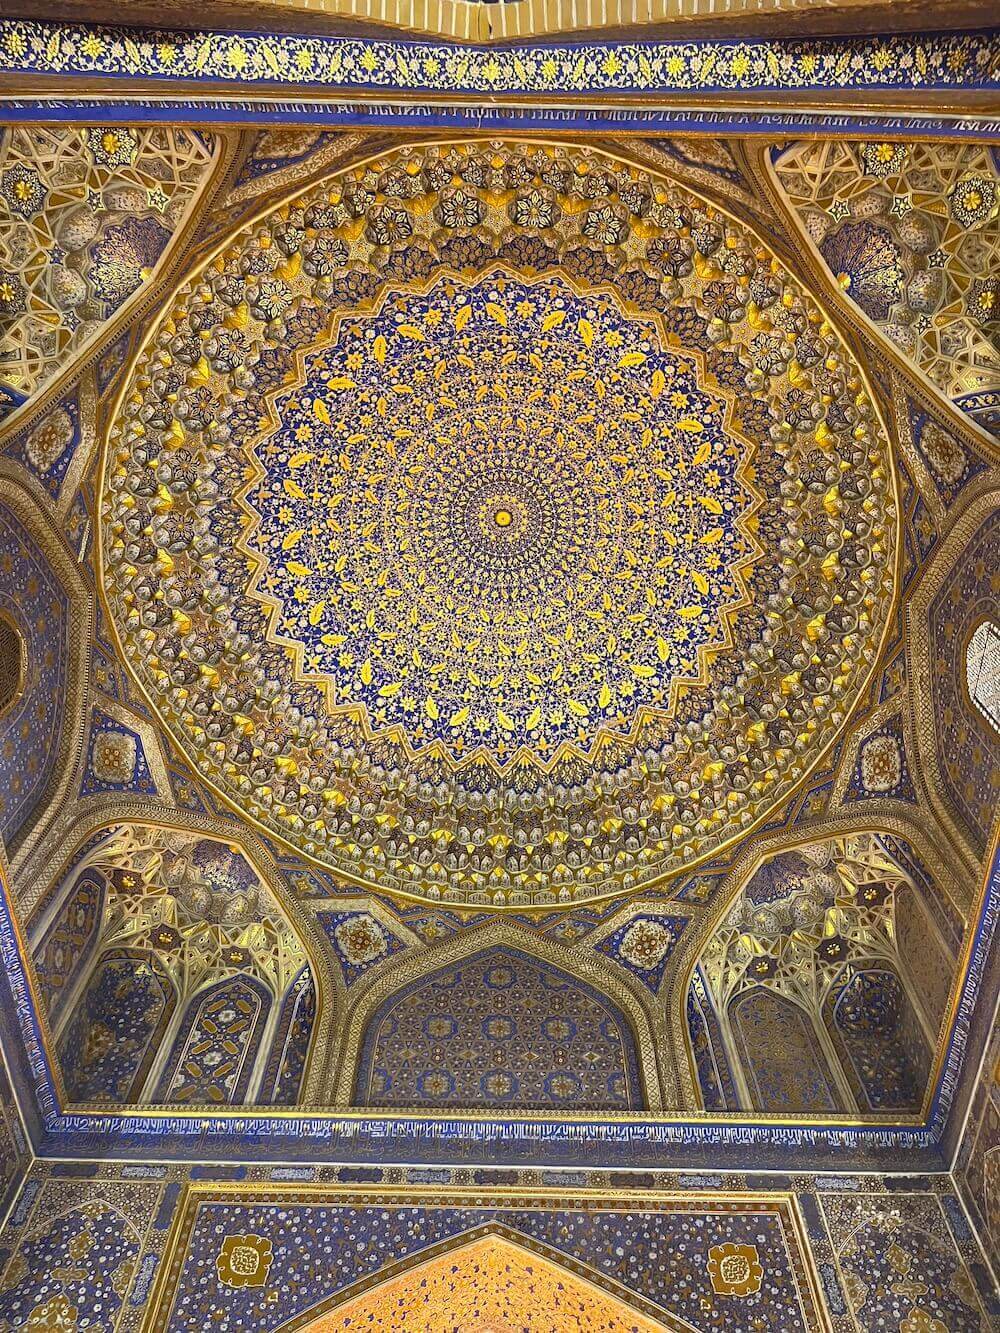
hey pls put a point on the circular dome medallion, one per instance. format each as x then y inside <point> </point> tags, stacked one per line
<point>498,523</point>
<point>471,519</point>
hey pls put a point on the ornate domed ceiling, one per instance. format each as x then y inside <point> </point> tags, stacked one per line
<point>497,629</point>
<point>499,523</point>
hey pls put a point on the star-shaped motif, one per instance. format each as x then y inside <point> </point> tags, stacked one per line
<point>838,210</point>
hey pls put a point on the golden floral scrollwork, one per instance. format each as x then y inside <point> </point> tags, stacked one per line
<point>55,1316</point>
<point>735,1270</point>
<point>919,1321</point>
<point>244,1261</point>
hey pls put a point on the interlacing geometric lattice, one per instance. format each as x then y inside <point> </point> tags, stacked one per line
<point>795,926</point>
<point>910,231</point>
<point>197,906</point>
<point>86,216</point>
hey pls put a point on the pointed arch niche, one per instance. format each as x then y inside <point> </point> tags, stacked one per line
<point>500,1019</point>
<point>171,970</point>
<point>822,987</point>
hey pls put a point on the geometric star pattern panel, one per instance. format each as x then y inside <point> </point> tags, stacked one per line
<point>874,1023</point>
<point>779,1050</point>
<point>213,1058</point>
<point>110,1043</point>
<point>499,1029</point>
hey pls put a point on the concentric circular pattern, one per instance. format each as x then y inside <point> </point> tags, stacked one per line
<point>499,523</point>
<point>509,529</point>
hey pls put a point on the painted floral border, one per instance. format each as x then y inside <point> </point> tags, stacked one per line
<point>960,61</point>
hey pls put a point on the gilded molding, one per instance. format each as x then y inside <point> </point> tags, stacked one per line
<point>896,63</point>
